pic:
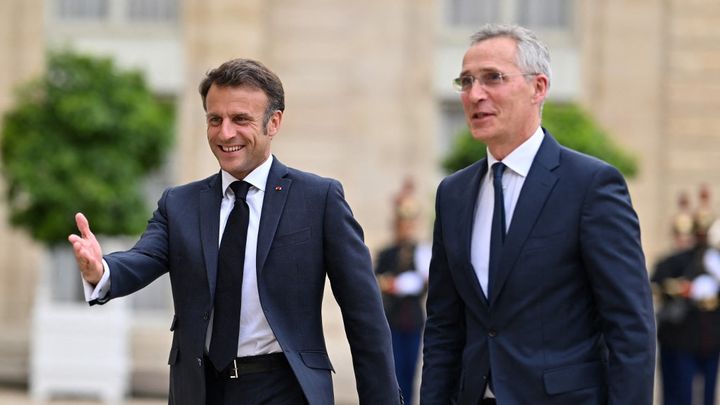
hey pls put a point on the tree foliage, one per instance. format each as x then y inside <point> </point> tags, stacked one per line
<point>569,124</point>
<point>82,138</point>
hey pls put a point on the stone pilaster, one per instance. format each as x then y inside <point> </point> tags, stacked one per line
<point>623,67</point>
<point>22,50</point>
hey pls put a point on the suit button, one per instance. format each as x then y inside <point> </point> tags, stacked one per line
<point>199,361</point>
<point>492,333</point>
<point>206,316</point>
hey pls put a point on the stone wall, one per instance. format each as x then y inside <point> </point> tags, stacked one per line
<point>21,47</point>
<point>357,76</point>
<point>651,78</point>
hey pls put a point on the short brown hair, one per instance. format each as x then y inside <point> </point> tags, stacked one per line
<point>246,73</point>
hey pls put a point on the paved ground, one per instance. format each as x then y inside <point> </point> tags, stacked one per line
<point>10,395</point>
<point>339,351</point>
<point>18,396</point>
<point>343,379</point>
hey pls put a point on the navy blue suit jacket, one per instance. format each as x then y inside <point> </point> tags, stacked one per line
<point>570,318</point>
<point>307,232</point>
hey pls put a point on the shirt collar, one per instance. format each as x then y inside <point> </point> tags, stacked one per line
<point>257,178</point>
<point>520,160</point>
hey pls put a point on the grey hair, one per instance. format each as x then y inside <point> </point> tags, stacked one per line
<point>533,56</point>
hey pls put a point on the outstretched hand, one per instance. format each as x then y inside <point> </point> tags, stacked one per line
<point>87,251</point>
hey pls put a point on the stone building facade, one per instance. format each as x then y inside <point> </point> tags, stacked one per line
<point>22,56</point>
<point>651,78</point>
<point>369,102</point>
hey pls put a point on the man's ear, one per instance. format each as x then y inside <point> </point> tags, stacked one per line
<point>273,125</point>
<point>540,88</point>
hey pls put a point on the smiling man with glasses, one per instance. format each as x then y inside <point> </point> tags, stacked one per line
<point>538,292</point>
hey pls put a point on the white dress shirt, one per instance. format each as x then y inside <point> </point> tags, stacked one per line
<point>518,164</point>
<point>255,337</point>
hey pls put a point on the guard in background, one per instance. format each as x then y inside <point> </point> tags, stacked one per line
<point>402,270</point>
<point>687,284</point>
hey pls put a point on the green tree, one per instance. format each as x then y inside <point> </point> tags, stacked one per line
<point>569,124</point>
<point>82,138</point>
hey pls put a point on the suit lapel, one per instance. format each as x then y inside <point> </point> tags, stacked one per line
<point>209,206</point>
<point>276,193</point>
<point>534,193</point>
<point>467,201</point>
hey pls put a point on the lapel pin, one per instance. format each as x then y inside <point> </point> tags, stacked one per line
<point>278,188</point>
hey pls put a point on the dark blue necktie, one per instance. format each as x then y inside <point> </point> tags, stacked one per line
<point>228,290</point>
<point>497,232</point>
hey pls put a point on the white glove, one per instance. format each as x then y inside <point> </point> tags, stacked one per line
<point>409,283</point>
<point>704,287</point>
<point>711,260</point>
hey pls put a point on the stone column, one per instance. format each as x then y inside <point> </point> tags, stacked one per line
<point>213,32</point>
<point>623,49</point>
<point>21,58</point>
<point>360,106</point>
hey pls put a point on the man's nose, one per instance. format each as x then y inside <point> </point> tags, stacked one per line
<point>477,92</point>
<point>227,129</point>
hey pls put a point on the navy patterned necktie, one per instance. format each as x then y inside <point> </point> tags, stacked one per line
<point>228,290</point>
<point>497,231</point>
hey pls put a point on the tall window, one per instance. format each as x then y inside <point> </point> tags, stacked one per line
<point>545,14</point>
<point>116,11</point>
<point>472,12</point>
<point>82,9</point>
<point>152,10</point>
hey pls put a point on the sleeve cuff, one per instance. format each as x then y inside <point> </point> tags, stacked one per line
<point>98,292</point>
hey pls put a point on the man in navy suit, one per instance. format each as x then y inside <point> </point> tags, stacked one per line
<point>299,230</point>
<point>559,310</point>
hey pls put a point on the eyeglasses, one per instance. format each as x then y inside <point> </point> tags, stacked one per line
<point>487,80</point>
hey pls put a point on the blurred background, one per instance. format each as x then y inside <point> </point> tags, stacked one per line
<point>368,101</point>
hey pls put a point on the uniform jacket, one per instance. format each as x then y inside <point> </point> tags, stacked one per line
<point>404,312</point>
<point>682,323</point>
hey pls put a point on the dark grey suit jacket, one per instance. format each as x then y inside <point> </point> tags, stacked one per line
<point>570,318</point>
<point>307,233</point>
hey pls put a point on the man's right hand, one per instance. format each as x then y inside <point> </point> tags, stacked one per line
<point>87,251</point>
